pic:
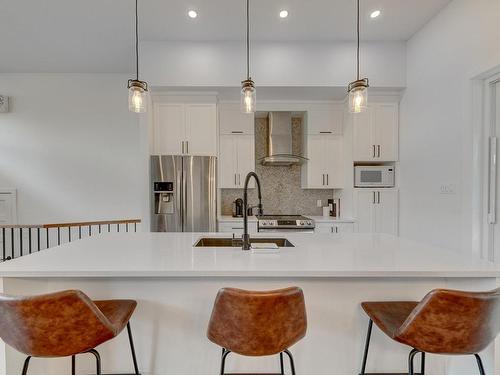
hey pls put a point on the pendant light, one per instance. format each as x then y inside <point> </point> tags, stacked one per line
<point>358,90</point>
<point>248,92</point>
<point>137,90</point>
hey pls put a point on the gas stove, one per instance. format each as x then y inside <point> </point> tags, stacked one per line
<point>275,223</point>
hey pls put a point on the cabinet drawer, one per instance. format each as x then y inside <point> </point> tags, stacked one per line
<point>236,227</point>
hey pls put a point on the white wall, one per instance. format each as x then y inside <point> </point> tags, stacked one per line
<point>436,126</point>
<point>71,148</point>
<point>272,64</point>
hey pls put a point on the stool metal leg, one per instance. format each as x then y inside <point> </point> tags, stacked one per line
<point>73,365</point>
<point>479,364</point>
<point>132,349</point>
<point>97,360</point>
<point>367,346</point>
<point>422,364</point>
<point>282,367</point>
<point>411,357</point>
<point>292,364</point>
<point>26,364</point>
<point>225,353</point>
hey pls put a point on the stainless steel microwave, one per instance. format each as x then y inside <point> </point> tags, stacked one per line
<point>373,176</point>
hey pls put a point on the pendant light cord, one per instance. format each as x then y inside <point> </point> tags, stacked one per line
<point>357,55</point>
<point>248,39</point>
<point>136,41</point>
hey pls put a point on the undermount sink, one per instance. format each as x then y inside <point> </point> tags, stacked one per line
<point>230,242</point>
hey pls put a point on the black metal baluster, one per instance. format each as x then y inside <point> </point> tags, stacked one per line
<point>38,237</point>
<point>99,228</point>
<point>47,239</point>
<point>135,227</point>
<point>29,239</point>
<point>126,227</point>
<point>90,230</point>
<point>69,234</point>
<point>20,242</point>
<point>3,243</point>
<point>117,228</point>
<point>12,243</point>
<point>58,236</point>
<point>79,232</point>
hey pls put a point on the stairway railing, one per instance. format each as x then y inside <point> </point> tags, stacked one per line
<point>20,240</point>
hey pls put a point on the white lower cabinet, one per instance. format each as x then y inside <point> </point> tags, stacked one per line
<point>334,228</point>
<point>236,227</point>
<point>376,210</point>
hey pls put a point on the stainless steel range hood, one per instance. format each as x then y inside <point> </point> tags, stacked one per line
<point>279,141</point>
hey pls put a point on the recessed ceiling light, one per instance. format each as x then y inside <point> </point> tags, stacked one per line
<point>375,14</point>
<point>192,13</point>
<point>284,13</point>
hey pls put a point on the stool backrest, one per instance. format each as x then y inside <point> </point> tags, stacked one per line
<point>258,323</point>
<point>52,325</point>
<point>453,322</point>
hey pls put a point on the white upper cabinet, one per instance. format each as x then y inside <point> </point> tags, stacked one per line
<point>324,169</point>
<point>375,133</point>
<point>376,210</point>
<point>232,121</point>
<point>325,119</point>
<point>236,160</point>
<point>185,129</point>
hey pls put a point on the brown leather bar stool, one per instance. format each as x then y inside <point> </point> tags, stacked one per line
<point>445,322</point>
<point>63,324</point>
<point>258,323</point>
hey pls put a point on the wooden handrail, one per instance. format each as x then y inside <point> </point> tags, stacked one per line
<point>78,224</point>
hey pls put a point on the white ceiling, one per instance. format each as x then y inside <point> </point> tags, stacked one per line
<point>97,35</point>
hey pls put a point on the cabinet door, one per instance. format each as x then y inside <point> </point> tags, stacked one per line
<point>326,120</point>
<point>245,150</point>
<point>169,129</point>
<point>334,162</point>
<point>227,162</point>
<point>364,210</point>
<point>201,129</point>
<point>386,131</point>
<point>386,212</point>
<point>315,166</point>
<point>233,121</point>
<point>363,145</point>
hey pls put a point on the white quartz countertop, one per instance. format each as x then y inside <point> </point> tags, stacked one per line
<point>231,219</point>
<point>318,219</point>
<point>315,255</point>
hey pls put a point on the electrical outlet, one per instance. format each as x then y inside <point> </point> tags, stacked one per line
<point>319,203</point>
<point>447,189</point>
<point>4,104</point>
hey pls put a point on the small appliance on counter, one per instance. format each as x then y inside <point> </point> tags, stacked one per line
<point>334,206</point>
<point>238,207</point>
<point>373,176</point>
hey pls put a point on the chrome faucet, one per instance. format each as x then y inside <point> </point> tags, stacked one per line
<point>246,236</point>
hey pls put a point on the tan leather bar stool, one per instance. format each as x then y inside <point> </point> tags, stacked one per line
<point>445,322</point>
<point>63,324</point>
<point>258,323</point>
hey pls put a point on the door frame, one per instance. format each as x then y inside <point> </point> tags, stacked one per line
<point>483,122</point>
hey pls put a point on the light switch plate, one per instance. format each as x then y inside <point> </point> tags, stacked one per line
<point>4,104</point>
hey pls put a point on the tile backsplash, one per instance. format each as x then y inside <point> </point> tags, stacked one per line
<point>281,191</point>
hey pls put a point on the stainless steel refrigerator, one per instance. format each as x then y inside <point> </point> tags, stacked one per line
<point>183,193</point>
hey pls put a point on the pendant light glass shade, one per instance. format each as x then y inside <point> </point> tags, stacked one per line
<point>358,96</point>
<point>137,96</point>
<point>137,90</point>
<point>248,96</point>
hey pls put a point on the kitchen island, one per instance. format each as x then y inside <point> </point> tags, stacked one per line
<point>175,285</point>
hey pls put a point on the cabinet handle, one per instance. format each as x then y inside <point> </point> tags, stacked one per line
<point>323,180</point>
<point>325,132</point>
<point>235,184</point>
<point>187,147</point>
<point>327,182</point>
<point>182,146</point>
<point>331,229</point>
<point>374,151</point>
<point>378,148</point>
<point>236,132</point>
<point>378,193</point>
<point>374,199</point>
